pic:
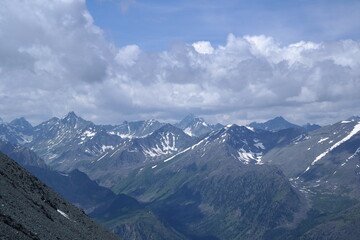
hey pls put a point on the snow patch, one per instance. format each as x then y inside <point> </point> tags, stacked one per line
<point>357,152</point>
<point>25,139</point>
<point>250,128</point>
<point>187,149</point>
<point>300,138</point>
<point>130,136</point>
<point>63,214</point>
<point>52,156</point>
<point>114,152</point>
<point>259,145</point>
<point>247,156</point>
<point>104,148</point>
<point>352,133</point>
<point>102,156</point>
<point>188,131</point>
<point>88,133</point>
<point>167,146</point>
<point>323,139</point>
<point>134,150</point>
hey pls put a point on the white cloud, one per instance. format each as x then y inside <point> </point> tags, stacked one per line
<point>203,47</point>
<point>53,59</point>
<point>127,55</point>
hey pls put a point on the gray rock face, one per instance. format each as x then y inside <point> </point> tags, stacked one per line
<point>327,157</point>
<point>134,129</point>
<point>119,161</point>
<point>30,210</point>
<point>196,126</point>
<point>18,131</point>
<point>22,155</point>
<point>67,143</point>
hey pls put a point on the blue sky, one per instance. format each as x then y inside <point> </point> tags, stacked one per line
<point>227,61</point>
<point>155,25</point>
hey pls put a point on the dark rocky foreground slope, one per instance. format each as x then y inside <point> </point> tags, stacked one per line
<point>30,210</point>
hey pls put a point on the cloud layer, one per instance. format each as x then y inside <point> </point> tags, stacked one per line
<point>53,59</point>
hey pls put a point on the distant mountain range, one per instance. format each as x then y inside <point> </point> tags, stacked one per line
<point>279,123</point>
<point>194,180</point>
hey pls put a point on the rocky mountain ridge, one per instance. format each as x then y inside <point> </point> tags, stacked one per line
<point>191,183</point>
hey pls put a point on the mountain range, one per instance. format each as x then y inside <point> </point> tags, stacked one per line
<point>279,123</point>
<point>195,180</point>
<point>99,202</point>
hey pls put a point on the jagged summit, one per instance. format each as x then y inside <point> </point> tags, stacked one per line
<point>73,120</point>
<point>195,126</point>
<point>190,119</point>
<point>71,116</point>
<point>278,120</point>
<point>21,122</point>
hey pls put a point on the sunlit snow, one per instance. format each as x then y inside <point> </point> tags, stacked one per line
<point>352,133</point>
<point>323,140</point>
<point>62,213</point>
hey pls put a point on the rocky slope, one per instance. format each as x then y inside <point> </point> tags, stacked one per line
<point>30,210</point>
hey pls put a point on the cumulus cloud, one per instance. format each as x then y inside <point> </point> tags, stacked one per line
<point>53,59</point>
<point>203,47</point>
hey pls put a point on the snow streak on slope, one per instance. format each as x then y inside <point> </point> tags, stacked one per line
<point>352,133</point>
<point>63,214</point>
<point>247,156</point>
<point>323,139</point>
<point>168,145</point>
<point>187,149</point>
<point>188,131</point>
<point>357,152</point>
